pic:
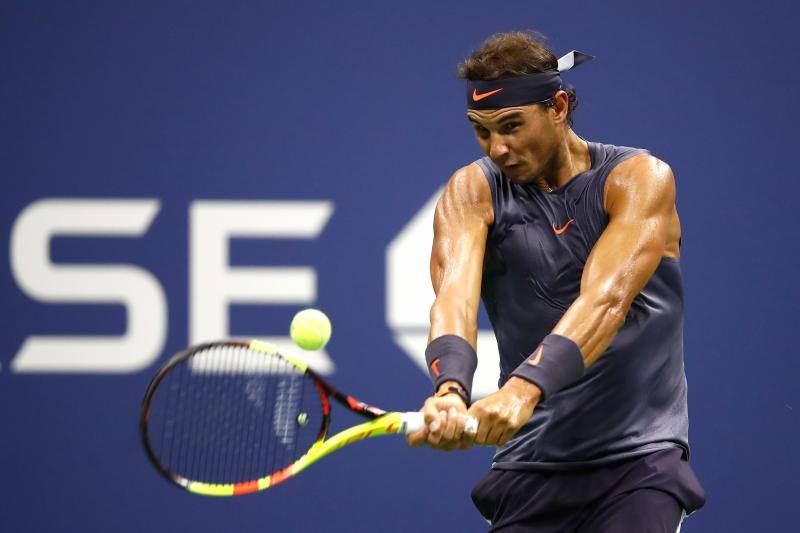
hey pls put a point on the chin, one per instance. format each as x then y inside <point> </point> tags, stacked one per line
<point>518,177</point>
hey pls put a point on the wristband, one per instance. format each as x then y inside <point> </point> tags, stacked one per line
<point>451,358</point>
<point>556,364</point>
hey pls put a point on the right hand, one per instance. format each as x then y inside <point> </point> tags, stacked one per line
<point>445,417</point>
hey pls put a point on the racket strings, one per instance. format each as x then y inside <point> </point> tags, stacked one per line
<point>230,414</point>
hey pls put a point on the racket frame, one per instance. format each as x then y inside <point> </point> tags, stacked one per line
<point>380,423</point>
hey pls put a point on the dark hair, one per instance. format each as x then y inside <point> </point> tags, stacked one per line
<point>513,53</point>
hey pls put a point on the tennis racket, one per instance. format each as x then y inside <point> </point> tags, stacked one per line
<point>234,417</point>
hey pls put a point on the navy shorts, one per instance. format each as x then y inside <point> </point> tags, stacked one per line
<point>645,494</point>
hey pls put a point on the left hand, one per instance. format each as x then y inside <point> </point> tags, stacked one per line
<point>501,414</point>
<point>445,417</point>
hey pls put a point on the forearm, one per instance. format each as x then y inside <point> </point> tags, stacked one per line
<point>454,315</point>
<point>592,322</point>
<point>617,270</point>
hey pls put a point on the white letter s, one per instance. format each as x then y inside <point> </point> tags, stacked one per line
<point>135,288</point>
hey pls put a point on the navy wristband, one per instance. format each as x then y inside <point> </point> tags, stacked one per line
<point>556,364</point>
<point>451,358</point>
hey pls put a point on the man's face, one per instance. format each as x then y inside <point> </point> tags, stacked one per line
<point>522,140</point>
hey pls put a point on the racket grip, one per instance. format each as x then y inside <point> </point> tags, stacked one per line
<point>415,420</point>
<point>412,421</point>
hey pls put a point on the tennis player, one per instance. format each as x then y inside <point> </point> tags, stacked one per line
<point>574,248</point>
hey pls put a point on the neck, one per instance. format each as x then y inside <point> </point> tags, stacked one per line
<point>571,158</point>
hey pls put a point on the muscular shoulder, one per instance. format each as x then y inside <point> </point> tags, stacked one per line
<point>467,195</point>
<point>644,181</point>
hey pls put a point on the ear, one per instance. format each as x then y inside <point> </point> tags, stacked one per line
<point>560,108</point>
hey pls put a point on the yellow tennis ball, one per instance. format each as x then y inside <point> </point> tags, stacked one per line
<point>310,329</point>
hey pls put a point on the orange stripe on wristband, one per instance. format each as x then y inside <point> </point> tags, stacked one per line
<point>435,367</point>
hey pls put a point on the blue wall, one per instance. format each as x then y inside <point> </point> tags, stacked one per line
<point>357,105</point>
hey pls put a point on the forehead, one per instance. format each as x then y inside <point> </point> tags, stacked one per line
<point>493,116</point>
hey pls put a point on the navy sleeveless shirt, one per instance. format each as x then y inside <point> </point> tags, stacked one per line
<point>632,400</point>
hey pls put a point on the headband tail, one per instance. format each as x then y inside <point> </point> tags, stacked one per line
<point>572,59</point>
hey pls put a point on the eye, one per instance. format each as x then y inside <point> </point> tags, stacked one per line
<point>509,127</point>
<point>481,131</point>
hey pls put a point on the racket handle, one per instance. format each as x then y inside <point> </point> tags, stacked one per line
<point>415,420</point>
<point>412,421</point>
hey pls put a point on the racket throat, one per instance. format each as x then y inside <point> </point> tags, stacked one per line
<point>388,424</point>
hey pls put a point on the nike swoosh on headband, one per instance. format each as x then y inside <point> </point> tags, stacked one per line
<point>476,97</point>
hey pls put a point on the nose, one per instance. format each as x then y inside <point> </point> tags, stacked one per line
<point>498,150</point>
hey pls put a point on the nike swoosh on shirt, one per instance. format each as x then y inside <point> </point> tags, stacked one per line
<point>476,96</point>
<point>563,228</point>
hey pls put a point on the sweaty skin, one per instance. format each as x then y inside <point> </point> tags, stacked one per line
<point>534,144</point>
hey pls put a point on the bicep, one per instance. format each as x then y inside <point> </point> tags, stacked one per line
<point>641,208</point>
